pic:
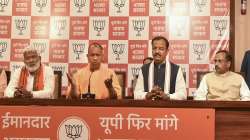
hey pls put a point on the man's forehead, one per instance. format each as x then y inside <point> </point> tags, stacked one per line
<point>159,44</point>
<point>221,54</point>
<point>159,41</point>
<point>95,49</point>
<point>31,52</point>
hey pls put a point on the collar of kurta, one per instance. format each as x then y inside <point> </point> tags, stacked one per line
<point>167,76</point>
<point>38,78</point>
<point>223,75</point>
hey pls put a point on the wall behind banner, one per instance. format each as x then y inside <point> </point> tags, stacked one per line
<point>242,33</point>
<point>62,30</point>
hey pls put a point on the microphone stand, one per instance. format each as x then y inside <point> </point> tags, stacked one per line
<point>88,95</point>
<point>89,82</point>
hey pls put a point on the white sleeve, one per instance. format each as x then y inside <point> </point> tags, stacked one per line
<point>180,88</point>
<point>139,93</point>
<point>201,92</point>
<point>3,82</point>
<point>244,91</point>
<point>13,84</point>
<point>49,85</point>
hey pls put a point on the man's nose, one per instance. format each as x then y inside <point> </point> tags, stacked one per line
<point>216,63</point>
<point>31,60</point>
<point>95,57</point>
<point>157,50</point>
<point>216,66</point>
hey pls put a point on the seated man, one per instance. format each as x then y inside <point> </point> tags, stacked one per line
<point>33,80</point>
<point>95,78</point>
<point>160,79</point>
<point>3,82</point>
<point>222,84</point>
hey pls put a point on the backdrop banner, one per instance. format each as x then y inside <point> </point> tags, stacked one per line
<point>105,123</point>
<point>61,30</point>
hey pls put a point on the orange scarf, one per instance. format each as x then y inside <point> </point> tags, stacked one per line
<point>38,79</point>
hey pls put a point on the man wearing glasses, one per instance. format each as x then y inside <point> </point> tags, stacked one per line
<point>223,84</point>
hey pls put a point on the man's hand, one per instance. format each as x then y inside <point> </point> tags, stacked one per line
<point>18,94</point>
<point>22,93</point>
<point>72,81</point>
<point>153,94</point>
<point>164,96</point>
<point>108,84</point>
<point>157,94</point>
<point>150,95</point>
<point>156,89</point>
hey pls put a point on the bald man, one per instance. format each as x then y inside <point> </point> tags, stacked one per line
<point>95,78</point>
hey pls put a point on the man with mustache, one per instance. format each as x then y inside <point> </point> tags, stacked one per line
<point>33,80</point>
<point>160,79</point>
<point>95,78</point>
<point>223,84</point>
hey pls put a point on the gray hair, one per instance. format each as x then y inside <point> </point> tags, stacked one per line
<point>30,49</point>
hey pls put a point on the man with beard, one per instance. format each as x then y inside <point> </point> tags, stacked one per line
<point>94,79</point>
<point>33,80</point>
<point>160,79</point>
<point>223,84</point>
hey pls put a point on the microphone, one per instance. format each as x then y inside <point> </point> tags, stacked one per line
<point>88,95</point>
<point>89,82</point>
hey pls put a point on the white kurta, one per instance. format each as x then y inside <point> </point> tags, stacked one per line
<point>48,79</point>
<point>180,86</point>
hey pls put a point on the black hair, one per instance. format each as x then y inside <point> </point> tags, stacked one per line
<point>228,56</point>
<point>97,45</point>
<point>160,38</point>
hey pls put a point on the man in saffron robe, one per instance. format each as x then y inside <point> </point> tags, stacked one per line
<point>95,78</point>
<point>33,80</point>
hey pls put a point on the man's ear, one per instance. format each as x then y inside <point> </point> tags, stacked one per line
<point>87,57</point>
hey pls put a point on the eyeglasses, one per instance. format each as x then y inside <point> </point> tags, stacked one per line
<point>159,48</point>
<point>219,60</point>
